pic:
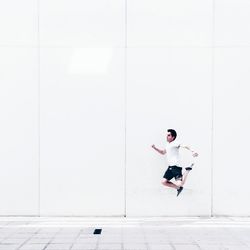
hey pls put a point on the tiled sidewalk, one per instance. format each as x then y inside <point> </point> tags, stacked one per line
<point>65,233</point>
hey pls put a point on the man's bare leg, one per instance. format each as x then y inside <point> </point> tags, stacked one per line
<point>185,175</point>
<point>177,186</point>
<point>179,183</point>
<point>167,183</point>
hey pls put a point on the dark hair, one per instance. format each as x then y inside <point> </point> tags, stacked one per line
<point>173,133</point>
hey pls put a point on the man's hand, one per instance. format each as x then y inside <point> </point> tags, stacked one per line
<point>195,154</point>
<point>163,152</point>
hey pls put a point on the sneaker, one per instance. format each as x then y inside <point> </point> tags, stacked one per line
<point>179,190</point>
<point>190,168</point>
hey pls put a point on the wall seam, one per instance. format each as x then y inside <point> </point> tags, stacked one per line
<point>38,51</point>
<point>212,99</point>
<point>125,103</point>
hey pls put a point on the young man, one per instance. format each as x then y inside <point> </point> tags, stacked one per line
<point>174,170</point>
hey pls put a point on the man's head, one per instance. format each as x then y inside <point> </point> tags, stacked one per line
<point>171,135</point>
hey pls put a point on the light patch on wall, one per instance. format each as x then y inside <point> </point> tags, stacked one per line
<point>90,61</point>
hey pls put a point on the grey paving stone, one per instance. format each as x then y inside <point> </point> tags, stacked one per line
<point>58,247</point>
<point>84,246</point>
<point>9,247</point>
<point>32,247</point>
<point>160,247</point>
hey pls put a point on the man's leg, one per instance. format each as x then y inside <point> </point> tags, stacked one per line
<point>181,182</point>
<point>184,177</point>
<point>167,183</point>
<point>179,186</point>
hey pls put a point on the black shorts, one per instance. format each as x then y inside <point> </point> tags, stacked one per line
<point>173,172</point>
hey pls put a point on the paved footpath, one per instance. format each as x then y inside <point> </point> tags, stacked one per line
<point>77,233</point>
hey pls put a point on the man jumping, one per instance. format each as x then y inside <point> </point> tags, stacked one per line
<point>174,170</point>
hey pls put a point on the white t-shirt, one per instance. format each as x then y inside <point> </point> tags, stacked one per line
<point>172,150</point>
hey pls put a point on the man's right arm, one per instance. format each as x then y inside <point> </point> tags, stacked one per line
<point>163,152</point>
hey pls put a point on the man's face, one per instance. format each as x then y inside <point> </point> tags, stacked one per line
<point>170,138</point>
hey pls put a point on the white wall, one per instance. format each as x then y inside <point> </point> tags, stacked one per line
<point>82,107</point>
<point>88,86</point>
<point>19,162</point>
<point>231,133</point>
<point>231,116</point>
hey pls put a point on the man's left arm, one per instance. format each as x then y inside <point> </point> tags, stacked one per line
<point>195,154</point>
